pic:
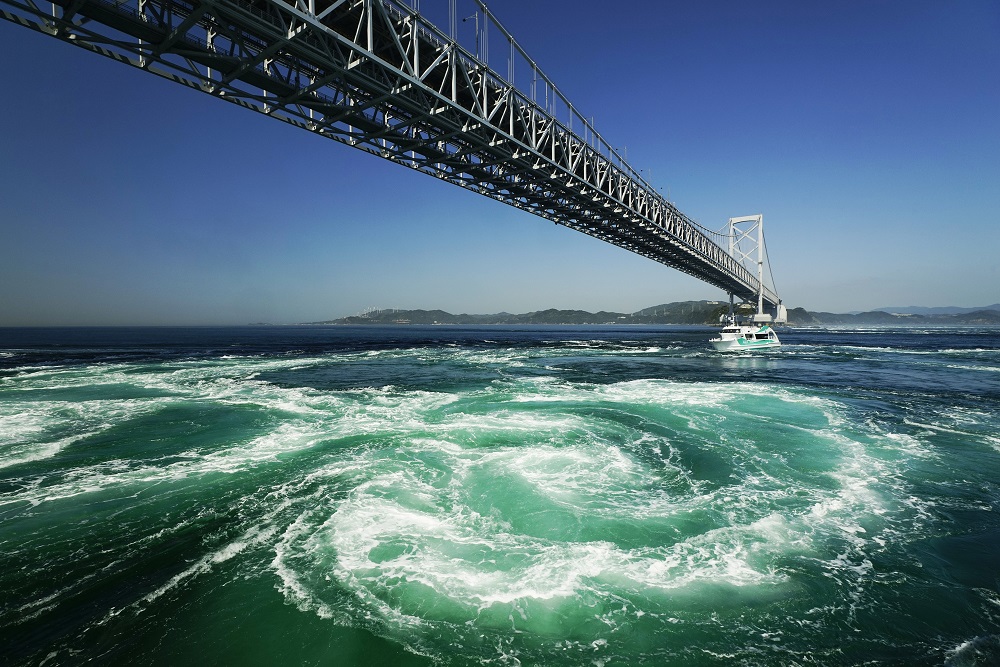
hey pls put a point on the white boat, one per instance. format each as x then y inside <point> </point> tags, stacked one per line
<point>737,337</point>
<point>759,334</point>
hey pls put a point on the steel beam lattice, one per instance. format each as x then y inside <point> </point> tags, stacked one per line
<point>377,75</point>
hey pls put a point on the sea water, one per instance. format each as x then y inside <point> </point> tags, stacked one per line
<point>498,496</point>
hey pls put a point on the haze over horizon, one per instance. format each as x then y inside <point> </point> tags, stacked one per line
<point>866,134</point>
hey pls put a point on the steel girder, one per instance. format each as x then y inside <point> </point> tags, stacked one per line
<point>374,74</point>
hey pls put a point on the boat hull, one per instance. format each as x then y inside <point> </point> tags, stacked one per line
<point>743,345</point>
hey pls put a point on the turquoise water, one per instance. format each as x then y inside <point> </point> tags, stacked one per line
<point>498,496</point>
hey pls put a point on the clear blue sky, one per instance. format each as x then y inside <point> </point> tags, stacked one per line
<point>867,133</point>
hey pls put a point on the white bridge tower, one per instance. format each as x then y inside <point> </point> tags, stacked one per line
<point>746,247</point>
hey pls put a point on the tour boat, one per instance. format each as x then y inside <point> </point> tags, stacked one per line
<point>742,337</point>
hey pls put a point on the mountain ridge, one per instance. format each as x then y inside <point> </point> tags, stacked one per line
<point>678,312</point>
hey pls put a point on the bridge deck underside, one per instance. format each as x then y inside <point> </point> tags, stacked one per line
<point>373,74</point>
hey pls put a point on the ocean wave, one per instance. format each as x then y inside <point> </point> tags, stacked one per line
<point>578,513</point>
<point>988,369</point>
<point>456,533</point>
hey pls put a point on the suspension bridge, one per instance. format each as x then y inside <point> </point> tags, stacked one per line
<point>379,76</point>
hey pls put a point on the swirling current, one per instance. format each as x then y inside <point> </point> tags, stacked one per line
<point>498,496</point>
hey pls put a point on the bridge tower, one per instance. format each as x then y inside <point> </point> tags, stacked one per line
<point>747,247</point>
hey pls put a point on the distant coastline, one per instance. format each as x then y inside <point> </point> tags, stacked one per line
<point>680,312</point>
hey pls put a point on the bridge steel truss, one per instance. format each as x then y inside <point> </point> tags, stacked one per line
<point>376,75</point>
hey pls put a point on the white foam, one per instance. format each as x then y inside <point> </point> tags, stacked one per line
<point>572,475</point>
<point>41,429</point>
<point>561,471</point>
<point>910,445</point>
<point>965,367</point>
<point>286,438</point>
<point>311,417</point>
<point>457,554</point>
<point>17,454</point>
<point>935,427</point>
<point>203,565</point>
